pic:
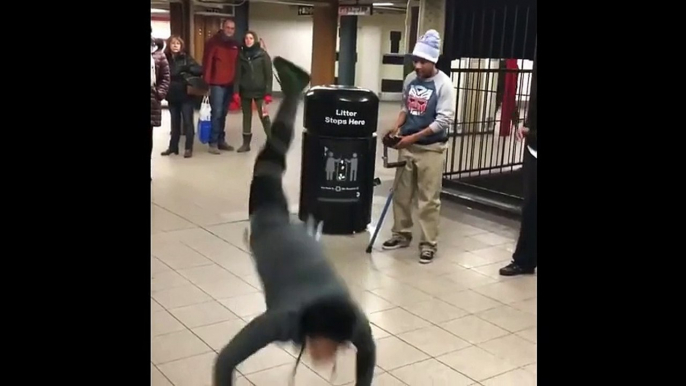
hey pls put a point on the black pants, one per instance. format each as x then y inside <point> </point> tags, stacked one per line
<point>181,121</point>
<point>526,253</point>
<point>266,189</point>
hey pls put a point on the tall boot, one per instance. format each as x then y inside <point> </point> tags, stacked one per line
<point>246,144</point>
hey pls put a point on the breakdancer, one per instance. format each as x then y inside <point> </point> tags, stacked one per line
<point>307,303</point>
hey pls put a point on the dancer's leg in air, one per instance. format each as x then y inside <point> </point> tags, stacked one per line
<point>268,205</point>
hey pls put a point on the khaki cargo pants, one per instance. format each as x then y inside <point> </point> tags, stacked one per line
<point>421,178</point>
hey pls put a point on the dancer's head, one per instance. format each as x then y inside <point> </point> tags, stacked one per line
<point>326,326</point>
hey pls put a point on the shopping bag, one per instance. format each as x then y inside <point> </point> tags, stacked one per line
<point>205,121</point>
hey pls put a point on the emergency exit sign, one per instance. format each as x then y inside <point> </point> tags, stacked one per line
<point>355,10</point>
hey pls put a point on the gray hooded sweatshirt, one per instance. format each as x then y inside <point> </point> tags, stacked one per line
<point>294,274</point>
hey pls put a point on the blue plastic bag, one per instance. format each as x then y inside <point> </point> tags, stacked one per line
<point>204,122</point>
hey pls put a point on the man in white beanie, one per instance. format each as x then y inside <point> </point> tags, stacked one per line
<point>428,108</point>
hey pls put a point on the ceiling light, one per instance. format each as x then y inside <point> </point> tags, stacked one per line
<point>157,10</point>
<point>383,4</point>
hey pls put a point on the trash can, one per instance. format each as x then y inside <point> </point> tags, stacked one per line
<point>338,157</point>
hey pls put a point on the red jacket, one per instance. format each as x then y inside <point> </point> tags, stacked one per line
<point>219,60</point>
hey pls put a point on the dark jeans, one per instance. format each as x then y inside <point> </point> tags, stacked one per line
<point>181,119</point>
<point>526,253</point>
<point>220,96</point>
<point>246,107</point>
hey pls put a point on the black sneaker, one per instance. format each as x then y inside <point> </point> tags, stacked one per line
<point>396,242</point>
<point>293,79</point>
<point>513,269</point>
<point>426,257</point>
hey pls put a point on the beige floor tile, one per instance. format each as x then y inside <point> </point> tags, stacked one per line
<point>157,266</point>
<point>219,335</point>
<point>473,329</point>
<point>493,271</point>
<point>191,371</point>
<point>166,280</point>
<point>206,274</point>
<point>433,340</point>
<point>517,377</point>
<point>530,334</point>
<point>469,278</point>
<point>509,318</point>
<point>392,353</point>
<point>281,376</point>
<point>476,363</point>
<point>397,321</point>
<point>378,332</point>
<point>468,243</point>
<point>513,349</point>
<point>242,381</point>
<point>468,259</point>
<point>437,286</point>
<point>532,368</point>
<point>154,306</point>
<point>436,311</point>
<point>530,306</point>
<point>496,254</point>
<point>431,372</point>
<point>176,345</point>
<point>507,291</point>
<point>245,305</point>
<point>180,296</point>
<point>491,238</point>
<point>370,302</point>
<point>267,358</point>
<point>165,221</point>
<point>470,301</point>
<point>179,256</point>
<point>202,314</point>
<point>162,322</point>
<point>229,287</point>
<point>157,378</point>
<point>401,296</point>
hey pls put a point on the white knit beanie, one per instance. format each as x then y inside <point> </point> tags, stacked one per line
<point>428,46</point>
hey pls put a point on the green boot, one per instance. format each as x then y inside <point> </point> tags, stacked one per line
<point>293,79</point>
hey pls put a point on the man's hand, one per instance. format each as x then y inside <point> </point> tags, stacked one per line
<point>522,132</point>
<point>406,141</point>
<point>394,131</point>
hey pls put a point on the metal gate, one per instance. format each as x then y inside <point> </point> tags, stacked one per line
<point>490,44</point>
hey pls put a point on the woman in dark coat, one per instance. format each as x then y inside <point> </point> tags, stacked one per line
<point>159,84</point>
<point>185,71</point>
<point>254,82</point>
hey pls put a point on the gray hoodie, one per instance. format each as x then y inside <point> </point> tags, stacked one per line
<point>294,274</point>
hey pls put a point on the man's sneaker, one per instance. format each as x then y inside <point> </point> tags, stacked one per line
<point>513,269</point>
<point>212,149</point>
<point>426,256</point>
<point>396,242</point>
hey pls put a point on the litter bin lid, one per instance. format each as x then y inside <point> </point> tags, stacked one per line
<point>341,111</point>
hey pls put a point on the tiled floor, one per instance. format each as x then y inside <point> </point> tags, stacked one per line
<point>454,322</point>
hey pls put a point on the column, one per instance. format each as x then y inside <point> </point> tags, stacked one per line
<point>324,31</point>
<point>431,16</point>
<point>180,20</point>
<point>347,53</point>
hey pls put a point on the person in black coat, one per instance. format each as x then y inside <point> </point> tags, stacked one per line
<point>525,256</point>
<point>185,71</point>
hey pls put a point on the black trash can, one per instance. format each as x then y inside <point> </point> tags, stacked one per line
<point>338,157</point>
